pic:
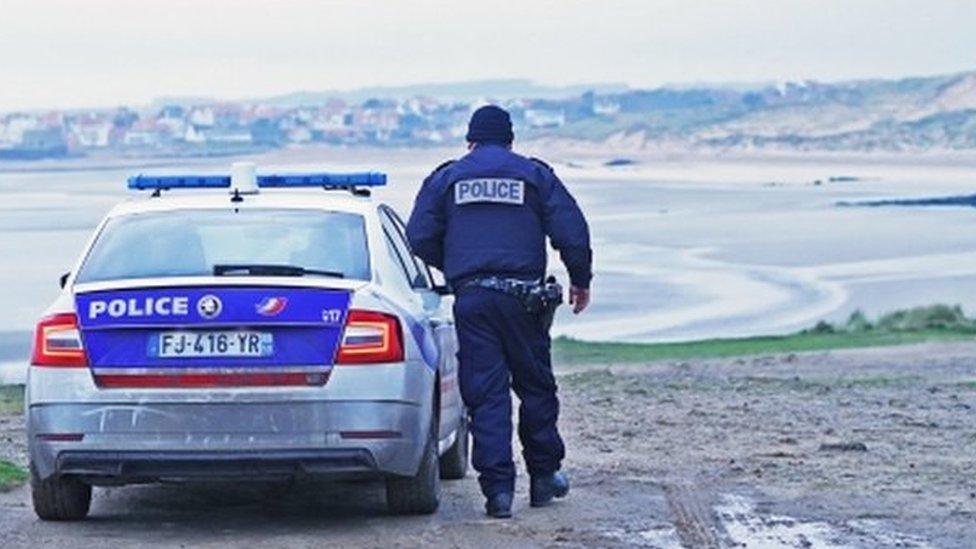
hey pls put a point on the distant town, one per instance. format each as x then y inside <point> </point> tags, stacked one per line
<point>937,112</point>
<point>233,128</point>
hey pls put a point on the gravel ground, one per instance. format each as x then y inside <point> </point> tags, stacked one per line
<point>859,448</point>
<point>13,443</point>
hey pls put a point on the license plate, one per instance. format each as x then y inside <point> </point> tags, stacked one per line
<point>221,344</point>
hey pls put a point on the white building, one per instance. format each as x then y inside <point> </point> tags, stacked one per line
<point>93,134</point>
<point>202,117</point>
<point>605,107</point>
<point>545,118</point>
<point>13,130</point>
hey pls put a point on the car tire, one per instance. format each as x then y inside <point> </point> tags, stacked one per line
<point>454,462</point>
<point>419,494</point>
<point>59,498</point>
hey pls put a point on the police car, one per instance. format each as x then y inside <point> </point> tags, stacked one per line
<point>246,327</point>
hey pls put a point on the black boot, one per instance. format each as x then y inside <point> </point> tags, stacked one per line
<point>499,505</point>
<point>546,487</point>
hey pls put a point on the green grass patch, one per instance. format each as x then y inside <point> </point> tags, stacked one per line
<point>918,325</point>
<point>11,476</point>
<point>572,351</point>
<point>11,399</point>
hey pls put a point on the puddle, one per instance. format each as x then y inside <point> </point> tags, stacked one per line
<point>746,527</point>
<point>659,537</point>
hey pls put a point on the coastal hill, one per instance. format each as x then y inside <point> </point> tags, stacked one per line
<point>932,113</point>
<point>892,115</point>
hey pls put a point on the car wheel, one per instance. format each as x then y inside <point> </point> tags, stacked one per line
<point>58,498</point>
<point>454,462</point>
<point>419,494</point>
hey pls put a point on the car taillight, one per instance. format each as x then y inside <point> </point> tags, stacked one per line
<point>57,343</point>
<point>369,338</point>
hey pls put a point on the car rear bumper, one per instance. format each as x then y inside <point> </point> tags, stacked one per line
<point>134,467</point>
<point>127,443</point>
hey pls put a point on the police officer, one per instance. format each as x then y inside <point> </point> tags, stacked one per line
<point>483,220</point>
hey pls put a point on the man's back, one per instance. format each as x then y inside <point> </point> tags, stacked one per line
<point>490,212</point>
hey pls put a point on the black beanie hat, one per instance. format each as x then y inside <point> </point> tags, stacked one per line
<point>490,124</point>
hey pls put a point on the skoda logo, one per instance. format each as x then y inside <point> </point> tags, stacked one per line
<point>209,306</point>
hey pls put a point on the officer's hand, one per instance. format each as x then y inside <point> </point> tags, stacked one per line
<point>579,298</point>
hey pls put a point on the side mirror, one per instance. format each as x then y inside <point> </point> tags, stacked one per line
<point>442,289</point>
<point>439,283</point>
<point>63,281</point>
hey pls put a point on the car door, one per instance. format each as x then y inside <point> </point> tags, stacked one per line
<point>438,308</point>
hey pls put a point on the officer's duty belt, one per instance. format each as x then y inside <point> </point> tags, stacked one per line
<point>537,297</point>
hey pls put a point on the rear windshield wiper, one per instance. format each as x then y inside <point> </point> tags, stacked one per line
<point>270,270</point>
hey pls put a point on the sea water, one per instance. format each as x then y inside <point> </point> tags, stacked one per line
<point>681,252</point>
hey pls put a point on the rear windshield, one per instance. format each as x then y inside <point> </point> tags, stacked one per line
<point>191,242</point>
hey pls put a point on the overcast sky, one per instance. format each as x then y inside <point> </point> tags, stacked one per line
<point>103,53</point>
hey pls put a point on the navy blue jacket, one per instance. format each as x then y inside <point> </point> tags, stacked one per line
<point>489,213</point>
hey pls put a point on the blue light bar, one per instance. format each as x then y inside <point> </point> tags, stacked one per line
<point>325,180</point>
<point>143,182</point>
<point>362,179</point>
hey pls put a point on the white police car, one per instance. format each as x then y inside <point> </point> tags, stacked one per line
<point>250,334</point>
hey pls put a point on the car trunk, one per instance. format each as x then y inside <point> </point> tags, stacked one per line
<point>193,336</point>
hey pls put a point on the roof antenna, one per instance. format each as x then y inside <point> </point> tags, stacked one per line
<point>243,180</point>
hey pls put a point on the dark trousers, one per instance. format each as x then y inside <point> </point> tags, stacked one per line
<point>503,347</point>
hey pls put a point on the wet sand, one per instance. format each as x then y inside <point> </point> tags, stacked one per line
<point>685,246</point>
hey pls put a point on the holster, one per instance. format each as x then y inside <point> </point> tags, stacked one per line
<point>552,298</point>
